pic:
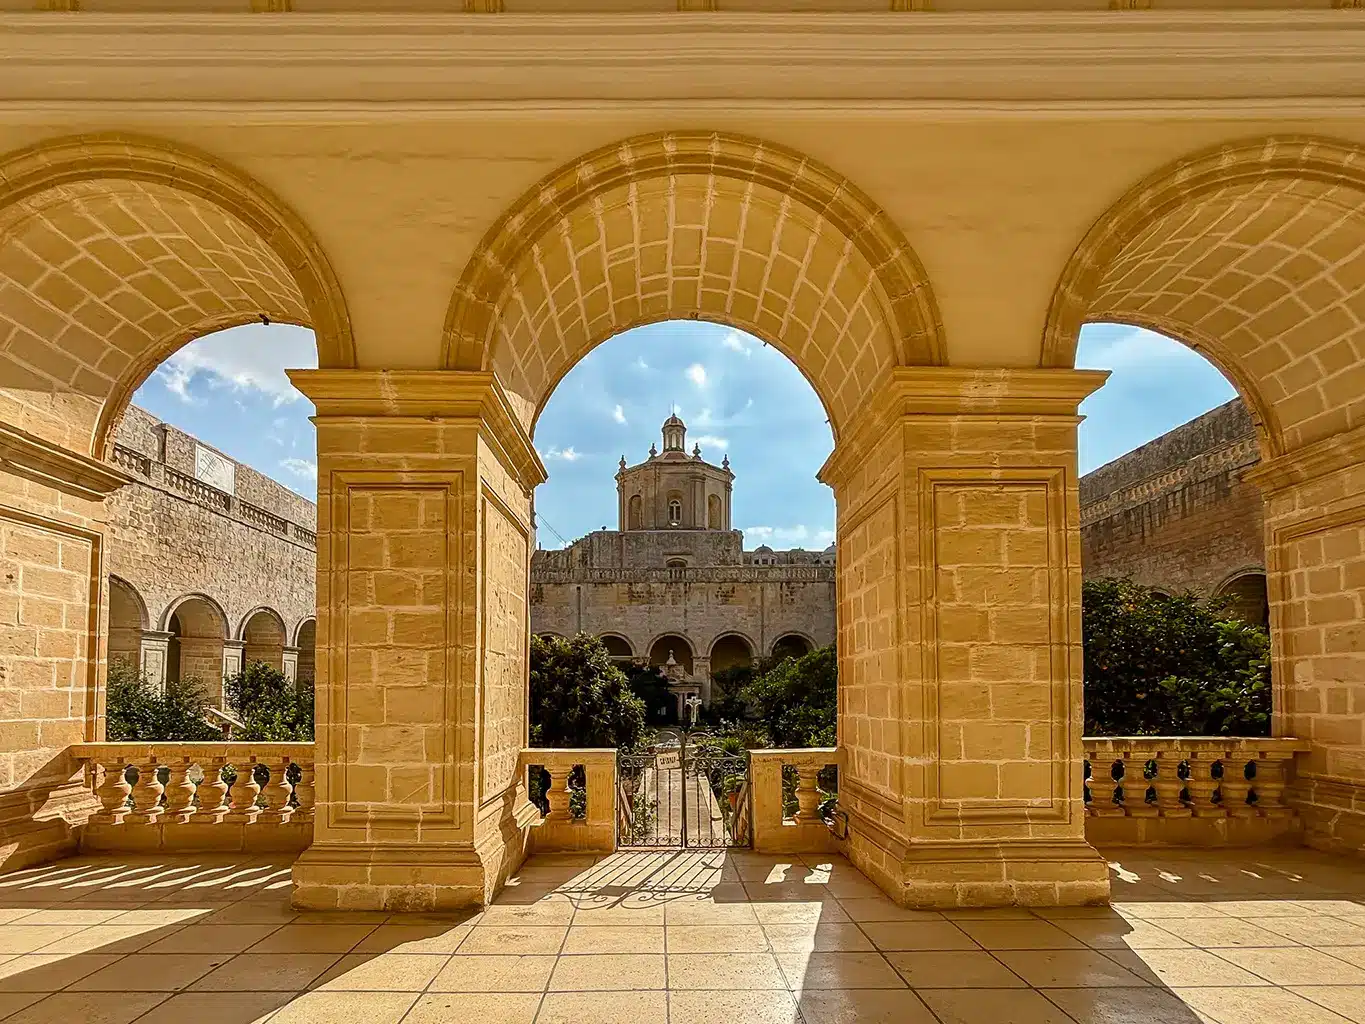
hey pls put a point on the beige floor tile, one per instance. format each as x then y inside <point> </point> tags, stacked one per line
<point>1347,1000</point>
<point>1317,930</point>
<point>1351,954</point>
<point>1118,933</point>
<point>1183,968</point>
<point>824,938</point>
<point>992,1006</point>
<point>13,1002</point>
<point>837,970</point>
<point>217,1008</point>
<point>989,914</point>
<point>475,1008</point>
<point>906,935</point>
<point>1349,908</point>
<point>1256,1006</point>
<point>275,912</point>
<point>1067,968</point>
<point>693,911</point>
<point>608,972</point>
<point>603,1008</point>
<point>827,911</point>
<point>709,938</point>
<point>724,971</point>
<point>151,972</point>
<point>346,1008</point>
<point>613,912</point>
<point>87,1008</point>
<point>413,938</point>
<point>1122,1006</point>
<point>852,886</point>
<point>1227,932</point>
<point>311,938</point>
<point>879,908</point>
<point>1258,909</point>
<point>70,915</point>
<point>1296,965</point>
<point>509,939</point>
<point>555,910</point>
<point>385,972</point>
<point>50,972</point>
<point>266,972</point>
<point>163,916</point>
<point>863,1006</point>
<point>31,938</point>
<point>220,938</point>
<point>732,1008</point>
<point>1034,934</point>
<point>956,969</point>
<point>101,938</point>
<point>615,939</point>
<point>494,974</point>
<point>1152,910</point>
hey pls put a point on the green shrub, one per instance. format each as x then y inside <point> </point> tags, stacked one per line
<point>579,698</point>
<point>271,708</point>
<point>137,710</point>
<point>796,701</point>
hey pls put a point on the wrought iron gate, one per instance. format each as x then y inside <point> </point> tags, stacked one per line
<point>683,797</point>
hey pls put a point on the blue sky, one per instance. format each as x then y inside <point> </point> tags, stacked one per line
<point>737,396</point>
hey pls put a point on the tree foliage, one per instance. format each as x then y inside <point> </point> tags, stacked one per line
<point>650,684</point>
<point>796,700</point>
<point>271,708</point>
<point>1170,666</point>
<point>579,698</point>
<point>137,710</point>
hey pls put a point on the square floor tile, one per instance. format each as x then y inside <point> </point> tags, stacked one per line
<point>603,1008</point>
<point>710,938</point>
<point>1034,934</point>
<point>724,971</point>
<point>115,938</point>
<point>1317,930</point>
<point>413,938</point>
<point>1123,1006</point>
<point>553,910</point>
<point>608,972</point>
<point>732,1008</point>
<point>1067,968</point>
<point>615,939</point>
<point>217,1008</point>
<point>824,938</point>
<point>385,972</point>
<point>905,935</point>
<point>992,1006</point>
<point>311,938</point>
<point>863,1006</point>
<point>957,969</point>
<point>510,939</point>
<point>494,974</point>
<point>32,938</point>
<point>1119,933</point>
<point>266,972</point>
<point>1183,968</point>
<point>51,972</point>
<point>1347,1000</point>
<point>808,911</point>
<point>1256,1006</point>
<point>837,970</point>
<point>1295,966</point>
<point>151,973</point>
<point>69,915</point>
<point>1220,933</point>
<point>87,1008</point>
<point>216,938</point>
<point>346,1008</point>
<point>615,912</point>
<point>879,908</point>
<point>471,1007</point>
<point>693,911</point>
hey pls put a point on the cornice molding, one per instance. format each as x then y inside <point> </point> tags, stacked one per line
<point>313,66</point>
<point>427,395</point>
<point>960,392</point>
<point>32,458</point>
<point>1330,455</point>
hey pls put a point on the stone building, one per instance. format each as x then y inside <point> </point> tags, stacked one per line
<point>674,579</point>
<point>1176,514</point>
<point>211,564</point>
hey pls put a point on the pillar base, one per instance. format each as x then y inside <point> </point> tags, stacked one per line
<point>976,874</point>
<point>413,878</point>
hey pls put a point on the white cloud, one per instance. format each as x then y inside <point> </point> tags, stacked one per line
<point>618,414</point>
<point>711,441</point>
<point>737,342</point>
<point>696,373</point>
<point>799,536</point>
<point>567,454</point>
<point>640,363</point>
<point>305,468</point>
<point>246,359</point>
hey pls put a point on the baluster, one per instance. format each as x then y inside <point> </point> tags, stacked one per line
<point>213,791</point>
<point>557,794</point>
<point>1269,786</point>
<point>112,793</point>
<point>304,792</point>
<point>179,791</point>
<point>245,790</point>
<point>807,794</point>
<point>1202,785</point>
<point>1136,784</point>
<point>1087,773</point>
<point>1168,785</point>
<point>1237,787</point>
<point>1107,802</point>
<point>147,792</point>
<point>277,791</point>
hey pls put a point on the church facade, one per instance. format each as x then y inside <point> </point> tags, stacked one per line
<point>674,580</point>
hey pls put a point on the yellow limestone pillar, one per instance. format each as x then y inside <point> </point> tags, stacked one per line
<point>959,626</point>
<point>424,484</point>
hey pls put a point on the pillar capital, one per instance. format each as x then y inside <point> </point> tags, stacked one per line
<point>433,396</point>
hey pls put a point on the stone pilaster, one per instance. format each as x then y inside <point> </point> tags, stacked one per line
<point>959,638</point>
<point>424,483</point>
<point>154,654</point>
<point>234,658</point>
<point>290,664</point>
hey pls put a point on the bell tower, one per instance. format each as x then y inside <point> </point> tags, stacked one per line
<point>675,434</point>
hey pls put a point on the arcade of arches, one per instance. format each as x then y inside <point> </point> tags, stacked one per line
<point>930,283</point>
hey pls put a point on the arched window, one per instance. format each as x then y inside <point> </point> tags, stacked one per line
<point>713,512</point>
<point>636,518</point>
<point>676,563</point>
<point>674,512</point>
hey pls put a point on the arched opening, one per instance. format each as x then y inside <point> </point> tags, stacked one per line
<point>713,513</point>
<point>1247,598</point>
<point>791,645</point>
<point>263,633</point>
<point>197,631</point>
<point>675,646</point>
<point>618,647</point>
<point>306,642</point>
<point>636,512</point>
<point>127,621</point>
<point>675,510</point>
<point>731,651</point>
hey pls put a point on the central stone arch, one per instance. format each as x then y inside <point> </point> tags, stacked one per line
<point>694,225</point>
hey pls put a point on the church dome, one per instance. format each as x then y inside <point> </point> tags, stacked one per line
<point>673,421</point>
<point>763,549</point>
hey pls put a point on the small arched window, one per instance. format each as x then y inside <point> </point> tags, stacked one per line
<point>674,512</point>
<point>636,519</point>
<point>713,512</point>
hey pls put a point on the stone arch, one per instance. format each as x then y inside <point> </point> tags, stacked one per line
<point>713,513</point>
<point>681,647</point>
<point>618,646</point>
<point>1254,254</point>
<point>731,650</point>
<point>636,517</point>
<point>262,631</point>
<point>127,622</point>
<point>116,250</point>
<point>198,630</point>
<point>1247,595</point>
<point>792,644</point>
<point>694,225</point>
<point>305,640</point>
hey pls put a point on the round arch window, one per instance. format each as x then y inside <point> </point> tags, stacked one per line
<point>674,512</point>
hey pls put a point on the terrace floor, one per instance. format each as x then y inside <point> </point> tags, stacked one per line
<point>1234,937</point>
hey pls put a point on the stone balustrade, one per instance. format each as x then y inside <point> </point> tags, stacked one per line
<point>778,827</point>
<point>1189,790</point>
<point>199,796</point>
<point>580,796</point>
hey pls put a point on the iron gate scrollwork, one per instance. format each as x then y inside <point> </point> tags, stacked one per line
<point>683,796</point>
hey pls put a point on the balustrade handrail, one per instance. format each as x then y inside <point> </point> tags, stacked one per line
<point>196,748</point>
<point>1285,744</point>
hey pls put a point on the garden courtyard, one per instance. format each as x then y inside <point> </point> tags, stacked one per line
<point>1267,936</point>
